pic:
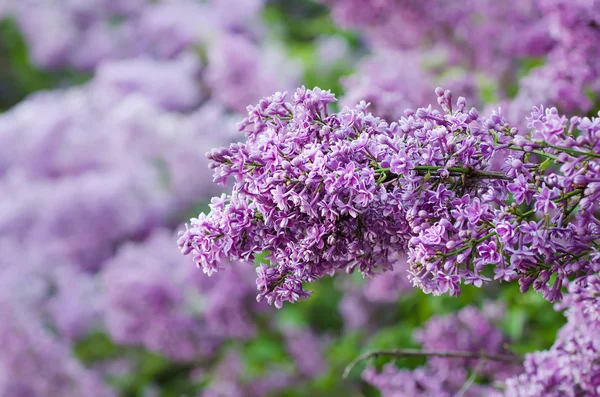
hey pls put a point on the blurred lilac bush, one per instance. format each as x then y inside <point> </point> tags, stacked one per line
<point>96,299</point>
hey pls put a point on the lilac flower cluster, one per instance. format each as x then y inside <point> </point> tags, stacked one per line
<point>239,64</point>
<point>152,300</point>
<point>85,34</point>
<point>35,363</point>
<point>229,380</point>
<point>306,349</point>
<point>320,192</point>
<point>362,303</point>
<point>65,170</point>
<point>487,45</point>
<point>482,35</point>
<point>85,170</point>
<point>469,330</point>
<point>254,70</point>
<point>571,71</point>
<point>571,366</point>
<point>391,89</point>
<point>60,295</point>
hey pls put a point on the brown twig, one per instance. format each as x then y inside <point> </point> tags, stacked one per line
<point>431,353</point>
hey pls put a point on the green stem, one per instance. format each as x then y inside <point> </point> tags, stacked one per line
<point>471,245</point>
<point>572,152</point>
<point>458,170</point>
<point>539,152</point>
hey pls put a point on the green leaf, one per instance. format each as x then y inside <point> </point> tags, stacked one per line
<point>546,164</point>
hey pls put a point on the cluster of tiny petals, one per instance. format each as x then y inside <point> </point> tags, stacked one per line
<point>320,192</point>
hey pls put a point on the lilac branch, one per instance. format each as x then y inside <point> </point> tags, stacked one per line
<point>398,353</point>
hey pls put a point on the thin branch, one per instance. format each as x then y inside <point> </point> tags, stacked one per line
<point>431,353</point>
<point>469,172</point>
<point>467,385</point>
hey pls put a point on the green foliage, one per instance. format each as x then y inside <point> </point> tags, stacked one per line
<point>299,23</point>
<point>19,77</point>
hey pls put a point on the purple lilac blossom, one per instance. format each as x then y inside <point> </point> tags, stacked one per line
<point>392,81</point>
<point>158,303</point>
<point>228,380</point>
<point>424,382</point>
<point>355,310</point>
<point>307,351</point>
<point>331,51</point>
<point>323,192</point>
<point>171,84</point>
<point>470,330</point>
<point>389,286</point>
<point>35,363</point>
<point>60,295</point>
<point>103,156</point>
<point>240,70</point>
<point>479,35</point>
<point>570,77</point>
<point>82,34</point>
<point>570,367</point>
<point>241,64</point>
<point>563,34</point>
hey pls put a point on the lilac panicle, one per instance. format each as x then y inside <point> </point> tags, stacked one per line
<point>320,192</point>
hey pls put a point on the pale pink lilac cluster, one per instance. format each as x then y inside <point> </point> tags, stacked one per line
<point>469,330</point>
<point>320,192</point>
